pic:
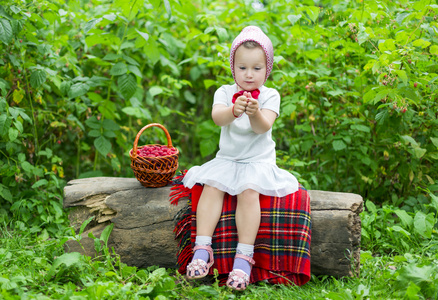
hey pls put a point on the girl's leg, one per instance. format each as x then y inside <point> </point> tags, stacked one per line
<point>248,217</point>
<point>209,210</point>
<point>208,214</point>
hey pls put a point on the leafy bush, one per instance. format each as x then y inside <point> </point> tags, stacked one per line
<point>79,79</point>
<point>358,84</point>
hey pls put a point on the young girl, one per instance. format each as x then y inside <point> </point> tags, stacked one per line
<point>245,164</point>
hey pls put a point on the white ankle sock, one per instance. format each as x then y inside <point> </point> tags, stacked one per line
<point>203,240</point>
<point>240,263</point>
<point>201,253</point>
<point>245,249</point>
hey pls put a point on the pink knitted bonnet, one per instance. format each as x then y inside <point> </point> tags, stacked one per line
<point>253,33</point>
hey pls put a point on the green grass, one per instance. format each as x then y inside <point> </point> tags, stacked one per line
<point>38,268</point>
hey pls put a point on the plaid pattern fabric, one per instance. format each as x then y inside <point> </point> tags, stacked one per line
<point>282,247</point>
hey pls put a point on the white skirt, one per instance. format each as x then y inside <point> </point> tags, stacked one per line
<point>234,177</point>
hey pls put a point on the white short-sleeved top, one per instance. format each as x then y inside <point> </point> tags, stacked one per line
<point>238,141</point>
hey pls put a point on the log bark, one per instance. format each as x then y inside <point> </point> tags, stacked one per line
<point>143,222</point>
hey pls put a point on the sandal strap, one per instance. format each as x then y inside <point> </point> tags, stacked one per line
<point>247,258</point>
<point>210,253</point>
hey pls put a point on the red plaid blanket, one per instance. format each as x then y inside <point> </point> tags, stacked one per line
<point>282,247</point>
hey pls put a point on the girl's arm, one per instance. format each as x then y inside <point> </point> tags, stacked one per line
<point>223,115</point>
<point>261,119</point>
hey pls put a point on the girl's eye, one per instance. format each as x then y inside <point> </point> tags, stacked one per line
<point>242,68</point>
<point>257,68</point>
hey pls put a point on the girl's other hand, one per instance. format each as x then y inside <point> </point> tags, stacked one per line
<point>252,105</point>
<point>240,105</point>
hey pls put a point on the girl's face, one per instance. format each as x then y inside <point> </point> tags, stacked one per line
<point>249,68</point>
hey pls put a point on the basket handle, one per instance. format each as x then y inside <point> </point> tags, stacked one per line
<point>169,141</point>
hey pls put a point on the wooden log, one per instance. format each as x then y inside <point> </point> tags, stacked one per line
<point>144,220</point>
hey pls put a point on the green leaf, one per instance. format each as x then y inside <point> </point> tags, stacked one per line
<point>109,124</point>
<point>5,123</point>
<point>399,229</point>
<point>400,17</point>
<point>409,140</point>
<point>25,117</point>
<point>4,14</point>
<point>207,147</point>
<point>369,96</point>
<point>433,201</point>
<point>41,182</point>
<point>312,12</point>
<point>419,152</point>
<point>129,8</point>
<point>106,233</point>
<point>37,78</point>
<point>360,128</point>
<point>90,24</point>
<point>94,133</point>
<point>93,122</point>
<point>65,87</point>
<point>222,33</point>
<point>155,90</point>
<point>152,51</point>
<point>362,37</point>
<point>335,93</point>
<point>209,83</point>
<point>5,193</point>
<point>433,139</point>
<point>6,33</point>
<point>387,45</point>
<point>13,134</point>
<point>189,97</point>
<point>434,50</point>
<point>380,95</point>
<point>423,224</point>
<point>339,145</point>
<point>15,112</point>
<point>402,75</point>
<point>168,8</point>
<point>132,111</point>
<point>67,259</point>
<point>412,291</point>
<point>118,69</point>
<point>109,134</point>
<point>84,225</point>
<point>405,219</point>
<point>127,85</point>
<point>104,39</point>
<point>421,43</point>
<point>143,34</point>
<point>27,167</point>
<point>293,18</point>
<point>78,89</point>
<point>102,145</point>
<point>111,56</point>
<point>135,70</point>
<point>420,276</point>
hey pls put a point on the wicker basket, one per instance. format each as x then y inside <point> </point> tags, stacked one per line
<point>153,171</point>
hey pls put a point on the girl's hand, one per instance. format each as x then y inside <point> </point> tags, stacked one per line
<point>252,105</point>
<point>240,105</point>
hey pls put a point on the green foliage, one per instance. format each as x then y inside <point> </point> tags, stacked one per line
<point>79,79</point>
<point>34,267</point>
